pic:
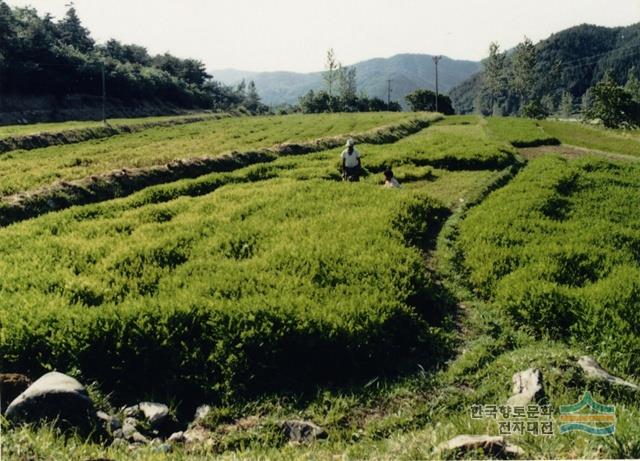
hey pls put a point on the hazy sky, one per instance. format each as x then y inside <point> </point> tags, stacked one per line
<point>295,34</point>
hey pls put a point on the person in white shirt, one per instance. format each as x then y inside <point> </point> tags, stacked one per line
<point>350,162</point>
<point>389,181</point>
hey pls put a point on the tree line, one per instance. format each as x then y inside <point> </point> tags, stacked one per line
<point>341,95</point>
<point>526,82</point>
<point>41,56</point>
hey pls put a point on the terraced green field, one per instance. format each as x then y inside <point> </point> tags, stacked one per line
<point>577,134</point>
<point>275,291</point>
<point>26,170</point>
<point>277,254</point>
<point>520,132</point>
<point>559,250</point>
<point>35,128</point>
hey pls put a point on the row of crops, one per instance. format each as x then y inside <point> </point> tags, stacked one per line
<point>27,170</point>
<point>558,249</point>
<point>273,275</point>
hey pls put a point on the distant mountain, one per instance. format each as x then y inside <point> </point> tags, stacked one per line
<point>407,72</point>
<point>571,60</point>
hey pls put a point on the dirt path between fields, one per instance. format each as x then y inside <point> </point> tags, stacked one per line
<point>572,152</point>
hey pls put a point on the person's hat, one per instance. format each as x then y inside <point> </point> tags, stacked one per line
<point>350,142</point>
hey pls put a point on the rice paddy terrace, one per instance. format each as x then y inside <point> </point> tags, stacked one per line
<point>223,261</point>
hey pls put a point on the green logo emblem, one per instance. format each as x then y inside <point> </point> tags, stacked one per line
<point>588,416</point>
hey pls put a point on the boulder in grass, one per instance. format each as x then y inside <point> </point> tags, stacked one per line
<point>54,397</point>
<point>495,446</point>
<point>302,431</point>
<point>201,414</point>
<point>527,386</point>
<point>594,370</point>
<point>155,413</point>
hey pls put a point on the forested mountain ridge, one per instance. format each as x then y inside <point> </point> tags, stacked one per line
<point>571,61</point>
<point>407,73</point>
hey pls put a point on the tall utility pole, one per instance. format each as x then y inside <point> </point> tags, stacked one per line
<point>436,59</point>
<point>389,94</point>
<point>104,96</point>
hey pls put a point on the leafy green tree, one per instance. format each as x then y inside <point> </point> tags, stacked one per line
<point>494,74</point>
<point>72,33</point>
<point>252,100</point>
<point>613,104</point>
<point>535,109</point>
<point>347,83</point>
<point>566,104</point>
<point>330,75</point>
<point>633,84</point>
<point>523,76</point>
<point>425,100</point>
<point>548,103</point>
<point>126,53</point>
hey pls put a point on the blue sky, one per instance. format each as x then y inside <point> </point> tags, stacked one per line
<point>295,34</point>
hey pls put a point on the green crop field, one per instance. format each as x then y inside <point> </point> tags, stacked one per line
<point>25,170</point>
<point>520,132</point>
<point>578,134</point>
<point>559,249</point>
<point>36,128</point>
<point>276,291</point>
<point>122,266</point>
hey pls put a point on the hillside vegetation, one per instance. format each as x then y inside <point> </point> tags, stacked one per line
<point>52,70</point>
<point>568,62</point>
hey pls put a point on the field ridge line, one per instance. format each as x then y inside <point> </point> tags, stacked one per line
<point>78,135</point>
<point>126,181</point>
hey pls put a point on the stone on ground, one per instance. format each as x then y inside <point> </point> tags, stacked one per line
<point>594,370</point>
<point>302,431</point>
<point>54,396</point>
<point>527,386</point>
<point>491,445</point>
<point>155,413</point>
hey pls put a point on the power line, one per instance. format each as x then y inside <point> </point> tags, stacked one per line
<point>595,59</point>
<point>604,53</point>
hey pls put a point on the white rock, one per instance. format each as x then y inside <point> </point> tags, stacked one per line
<point>54,396</point>
<point>155,413</point>
<point>594,370</point>
<point>527,385</point>
<point>201,413</point>
<point>177,437</point>
<point>494,445</point>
